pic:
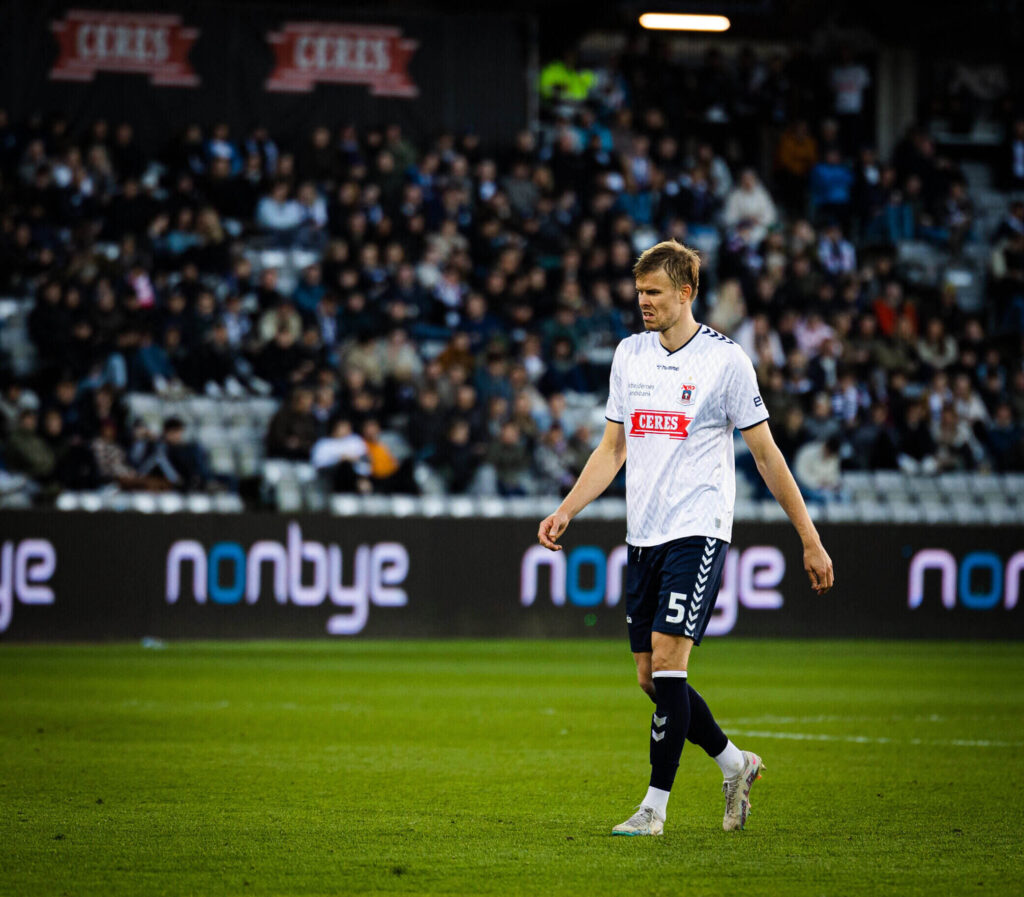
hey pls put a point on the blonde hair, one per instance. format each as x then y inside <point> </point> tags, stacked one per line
<point>680,263</point>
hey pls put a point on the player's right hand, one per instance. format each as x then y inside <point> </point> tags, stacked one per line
<point>551,528</point>
<point>818,565</point>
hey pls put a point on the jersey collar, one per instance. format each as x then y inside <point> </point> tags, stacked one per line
<point>668,352</point>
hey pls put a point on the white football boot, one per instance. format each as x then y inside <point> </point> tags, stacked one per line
<point>737,793</point>
<point>645,821</point>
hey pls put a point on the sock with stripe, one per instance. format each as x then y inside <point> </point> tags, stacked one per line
<point>706,733</point>
<point>669,725</point>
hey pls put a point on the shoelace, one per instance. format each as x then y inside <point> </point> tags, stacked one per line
<point>642,813</point>
<point>731,794</point>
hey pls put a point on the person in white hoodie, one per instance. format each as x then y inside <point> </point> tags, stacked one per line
<point>750,203</point>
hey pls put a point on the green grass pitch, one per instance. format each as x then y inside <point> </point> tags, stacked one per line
<point>476,768</point>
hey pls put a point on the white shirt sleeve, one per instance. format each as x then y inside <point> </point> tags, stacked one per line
<point>743,403</point>
<point>615,409</point>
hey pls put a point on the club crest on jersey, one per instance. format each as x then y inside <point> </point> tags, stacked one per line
<point>666,423</point>
<point>686,393</point>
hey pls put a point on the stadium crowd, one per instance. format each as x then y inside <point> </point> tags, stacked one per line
<point>457,307</point>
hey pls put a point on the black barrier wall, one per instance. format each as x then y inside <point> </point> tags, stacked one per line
<point>110,576</point>
<point>286,65</point>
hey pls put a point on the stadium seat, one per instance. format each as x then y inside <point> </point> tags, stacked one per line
<point>68,501</point>
<point>247,459</point>
<point>222,459</point>
<point>91,501</point>
<point>771,512</point>
<point>462,506</point>
<point>170,503</point>
<point>288,497</point>
<point>905,513</point>
<point>228,503</point>
<point>404,506</point>
<point>839,512</point>
<point>344,505</point>
<point>966,511</point>
<point>958,485</point>
<point>198,503</point>
<point>746,510</point>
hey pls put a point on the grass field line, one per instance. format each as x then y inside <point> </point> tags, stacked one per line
<point>869,739</point>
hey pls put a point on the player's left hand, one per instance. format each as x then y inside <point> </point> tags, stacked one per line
<point>818,565</point>
<point>551,528</point>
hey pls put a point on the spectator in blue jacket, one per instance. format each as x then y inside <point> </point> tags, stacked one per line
<point>831,188</point>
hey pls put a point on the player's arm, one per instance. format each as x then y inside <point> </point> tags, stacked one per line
<point>596,476</point>
<point>773,468</point>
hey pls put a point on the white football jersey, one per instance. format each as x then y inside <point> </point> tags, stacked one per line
<point>679,409</point>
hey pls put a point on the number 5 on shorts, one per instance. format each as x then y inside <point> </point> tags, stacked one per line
<point>675,602</point>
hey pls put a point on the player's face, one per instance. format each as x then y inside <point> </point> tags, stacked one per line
<point>661,303</point>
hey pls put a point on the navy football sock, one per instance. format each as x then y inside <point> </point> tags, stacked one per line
<point>704,731</point>
<point>669,725</point>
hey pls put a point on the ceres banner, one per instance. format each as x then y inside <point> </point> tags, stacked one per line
<point>151,44</point>
<point>310,53</point>
<point>285,66</point>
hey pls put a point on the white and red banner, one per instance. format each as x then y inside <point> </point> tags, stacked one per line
<point>665,423</point>
<point>310,53</point>
<point>151,44</point>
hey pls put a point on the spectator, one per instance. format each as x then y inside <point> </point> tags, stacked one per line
<point>111,463</point>
<point>280,363</point>
<point>822,425</point>
<point>792,434</point>
<point>552,462</point>
<point>795,156</point>
<point>890,309</point>
<point>749,204</point>
<point>221,148</point>
<point>831,189</point>
<point>957,215</point>
<point>218,369</point>
<point>181,464</point>
<point>564,373</point>
<point>1012,168</point>
<point>278,215</point>
<point>875,442</point>
<point>817,470</point>
<point>510,461</point>
<point>312,208</point>
<point>293,428</point>
<point>916,444</point>
<point>968,404</point>
<point>310,290</point>
<point>343,459</point>
<point>1005,440</point>
<point>152,369</point>
<point>426,428</point>
<point>835,253</point>
<point>849,80</point>
<point>527,251</point>
<point>26,451</point>
<point>937,349</point>
<point>957,448</point>
<point>387,473</point>
<point>457,458</point>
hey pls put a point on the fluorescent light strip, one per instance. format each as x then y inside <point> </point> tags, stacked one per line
<point>670,21</point>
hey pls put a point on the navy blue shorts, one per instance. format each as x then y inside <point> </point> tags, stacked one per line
<point>671,588</point>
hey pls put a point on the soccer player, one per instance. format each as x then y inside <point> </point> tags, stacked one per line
<point>676,393</point>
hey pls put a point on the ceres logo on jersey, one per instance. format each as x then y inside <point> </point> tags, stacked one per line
<point>667,423</point>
